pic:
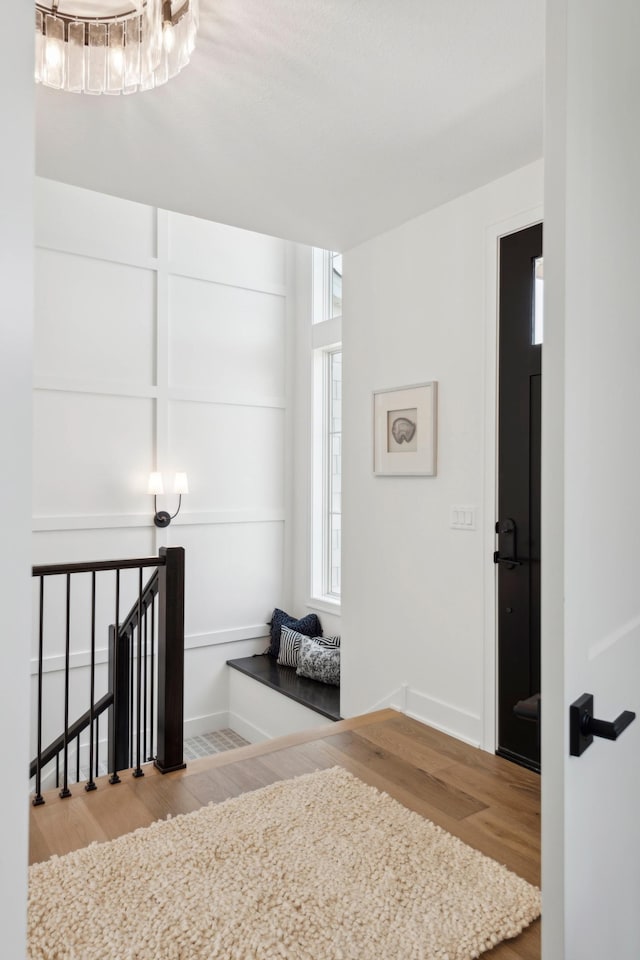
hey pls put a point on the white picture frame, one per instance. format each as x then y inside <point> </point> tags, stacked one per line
<point>405,431</point>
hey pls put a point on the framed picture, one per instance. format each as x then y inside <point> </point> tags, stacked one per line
<point>404,425</point>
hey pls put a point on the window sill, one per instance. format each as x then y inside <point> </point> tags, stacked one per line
<point>324,605</point>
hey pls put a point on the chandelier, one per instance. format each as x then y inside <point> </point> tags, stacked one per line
<point>113,46</point>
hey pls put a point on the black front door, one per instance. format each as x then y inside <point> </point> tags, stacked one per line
<point>518,521</point>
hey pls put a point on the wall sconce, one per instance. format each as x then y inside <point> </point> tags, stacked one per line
<point>156,487</point>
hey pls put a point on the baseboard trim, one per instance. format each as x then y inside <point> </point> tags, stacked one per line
<point>208,723</point>
<point>248,730</point>
<point>458,723</point>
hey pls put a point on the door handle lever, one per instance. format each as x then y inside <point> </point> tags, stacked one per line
<point>508,528</point>
<point>583,726</point>
<point>508,561</point>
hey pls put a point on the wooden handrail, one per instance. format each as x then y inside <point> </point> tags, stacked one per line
<point>51,569</point>
<point>130,622</point>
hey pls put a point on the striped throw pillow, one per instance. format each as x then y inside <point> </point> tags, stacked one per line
<point>289,655</point>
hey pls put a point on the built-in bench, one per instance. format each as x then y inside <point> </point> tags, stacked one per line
<point>320,697</point>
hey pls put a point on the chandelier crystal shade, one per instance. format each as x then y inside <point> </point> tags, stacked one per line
<point>113,46</point>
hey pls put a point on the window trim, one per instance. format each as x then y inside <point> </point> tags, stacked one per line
<point>320,466</point>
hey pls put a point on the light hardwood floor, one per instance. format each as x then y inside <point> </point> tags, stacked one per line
<point>489,803</point>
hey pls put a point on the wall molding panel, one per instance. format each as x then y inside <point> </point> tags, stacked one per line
<point>161,344</point>
<point>182,394</point>
<point>124,520</point>
<point>97,388</point>
<point>204,395</point>
<point>216,638</point>
<point>194,641</point>
<point>141,263</point>
<point>273,290</point>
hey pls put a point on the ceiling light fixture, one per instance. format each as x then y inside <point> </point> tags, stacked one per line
<point>113,46</point>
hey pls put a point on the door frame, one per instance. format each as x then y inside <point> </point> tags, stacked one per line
<point>493,234</point>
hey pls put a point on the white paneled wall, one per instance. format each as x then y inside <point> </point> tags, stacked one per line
<point>161,343</point>
<point>240,359</point>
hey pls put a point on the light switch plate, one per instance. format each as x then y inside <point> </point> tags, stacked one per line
<point>463,518</point>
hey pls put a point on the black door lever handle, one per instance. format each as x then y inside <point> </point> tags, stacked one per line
<point>507,528</point>
<point>609,729</point>
<point>583,726</point>
<point>508,561</point>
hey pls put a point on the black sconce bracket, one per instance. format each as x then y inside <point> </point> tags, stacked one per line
<point>162,518</point>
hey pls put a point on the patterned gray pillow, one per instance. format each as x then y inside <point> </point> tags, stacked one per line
<point>290,646</point>
<point>319,662</point>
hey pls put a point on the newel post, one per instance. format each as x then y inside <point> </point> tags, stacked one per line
<point>170,660</point>
<point>119,729</point>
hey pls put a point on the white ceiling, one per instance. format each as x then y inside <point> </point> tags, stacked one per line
<point>323,121</point>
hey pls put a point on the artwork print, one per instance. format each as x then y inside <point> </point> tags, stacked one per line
<point>402,427</point>
<point>404,431</point>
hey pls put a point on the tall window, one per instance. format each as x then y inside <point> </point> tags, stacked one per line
<point>334,474</point>
<point>327,285</point>
<point>334,269</point>
<point>538,300</point>
<point>327,426</point>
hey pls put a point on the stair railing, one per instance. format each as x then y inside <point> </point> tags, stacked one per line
<point>145,694</point>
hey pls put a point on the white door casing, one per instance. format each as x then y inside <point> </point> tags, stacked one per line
<point>591,472</point>
<point>16,323</point>
<point>493,234</point>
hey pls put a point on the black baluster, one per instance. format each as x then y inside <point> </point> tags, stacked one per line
<point>65,792</point>
<point>119,674</point>
<point>97,743</point>
<point>130,641</point>
<point>144,689</point>
<point>138,772</point>
<point>114,778</point>
<point>39,799</point>
<point>153,681</point>
<point>90,785</point>
<point>78,759</point>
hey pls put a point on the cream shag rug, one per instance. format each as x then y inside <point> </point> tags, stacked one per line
<point>322,867</point>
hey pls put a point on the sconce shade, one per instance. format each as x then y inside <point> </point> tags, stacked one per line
<point>156,487</point>
<point>181,484</point>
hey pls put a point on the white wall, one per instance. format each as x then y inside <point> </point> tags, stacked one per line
<point>16,321</point>
<point>161,343</point>
<point>419,305</point>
